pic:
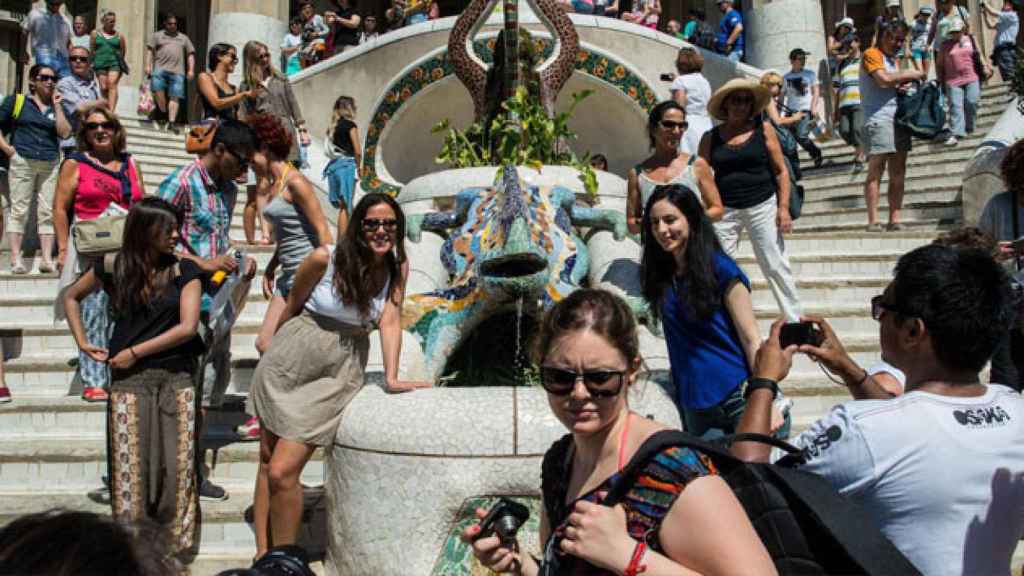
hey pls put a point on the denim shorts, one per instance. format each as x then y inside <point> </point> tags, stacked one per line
<point>169,82</point>
<point>921,54</point>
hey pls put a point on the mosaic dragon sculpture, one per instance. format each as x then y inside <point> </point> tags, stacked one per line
<point>505,243</point>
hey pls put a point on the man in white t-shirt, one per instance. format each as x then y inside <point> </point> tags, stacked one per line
<point>940,468</point>
<point>801,91</point>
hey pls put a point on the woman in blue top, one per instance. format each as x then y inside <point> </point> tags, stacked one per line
<point>703,300</point>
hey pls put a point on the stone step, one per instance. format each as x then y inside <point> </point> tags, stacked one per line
<point>143,149</point>
<point>839,198</point>
<point>848,243</point>
<point>826,290</point>
<point>946,156</point>
<point>847,318</point>
<point>73,463</point>
<point>915,172</point>
<point>830,265</point>
<point>942,212</point>
<point>932,226</point>
<point>31,308</point>
<point>847,184</point>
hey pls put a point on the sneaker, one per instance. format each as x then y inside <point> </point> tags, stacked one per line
<point>250,430</point>
<point>951,141</point>
<point>211,492</point>
<point>893,227</point>
<point>819,160</point>
<point>95,395</point>
<point>5,395</point>
<point>876,227</point>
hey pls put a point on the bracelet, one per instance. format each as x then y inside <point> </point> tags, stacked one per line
<point>132,350</point>
<point>759,383</point>
<point>862,380</point>
<point>635,567</point>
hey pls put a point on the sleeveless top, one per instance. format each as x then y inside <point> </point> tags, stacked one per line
<point>295,234</point>
<point>98,186</point>
<point>209,111</point>
<point>107,50</point>
<point>652,495</point>
<point>323,301</point>
<point>743,174</point>
<point>647,185</point>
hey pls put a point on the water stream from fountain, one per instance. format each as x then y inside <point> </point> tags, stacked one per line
<point>520,368</point>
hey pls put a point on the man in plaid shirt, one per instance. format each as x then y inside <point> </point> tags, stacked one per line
<point>205,193</point>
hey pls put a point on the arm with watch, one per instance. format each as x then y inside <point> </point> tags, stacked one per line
<point>772,365</point>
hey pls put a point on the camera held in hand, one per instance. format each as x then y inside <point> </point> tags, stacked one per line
<point>504,519</point>
<point>800,333</point>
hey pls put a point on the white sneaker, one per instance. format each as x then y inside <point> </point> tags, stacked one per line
<point>952,141</point>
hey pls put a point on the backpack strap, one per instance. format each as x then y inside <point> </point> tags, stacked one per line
<point>19,103</point>
<point>553,475</point>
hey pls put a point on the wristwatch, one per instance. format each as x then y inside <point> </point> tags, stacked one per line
<point>759,383</point>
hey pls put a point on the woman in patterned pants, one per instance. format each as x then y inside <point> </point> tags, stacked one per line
<point>153,356</point>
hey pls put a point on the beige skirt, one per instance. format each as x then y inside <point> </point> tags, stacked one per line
<point>313,369</point>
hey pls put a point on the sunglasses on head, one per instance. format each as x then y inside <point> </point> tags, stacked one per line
<point>46,78</point>
<point>670,125</point>
<point>372,224</point>
<point>599,383</point>
<point>78,59</point>
<point>108,125</point>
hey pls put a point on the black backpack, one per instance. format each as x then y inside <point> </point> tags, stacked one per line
<point>703,35</point>
<point>806,526</point>
<point>922,112</point>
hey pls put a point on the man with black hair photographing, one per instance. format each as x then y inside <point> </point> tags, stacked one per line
<point>941,468</point>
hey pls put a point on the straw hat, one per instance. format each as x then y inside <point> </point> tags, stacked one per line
<point>761,96</point>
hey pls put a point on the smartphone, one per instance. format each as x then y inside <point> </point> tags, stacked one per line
<point>800,333</point>
<point>667,77</point>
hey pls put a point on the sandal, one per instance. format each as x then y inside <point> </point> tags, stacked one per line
<point>18,268</point>
<point>46,267</point>
<point>894,226</point>
<point>876,227</point>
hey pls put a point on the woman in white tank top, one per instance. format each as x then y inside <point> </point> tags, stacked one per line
<point>666,125</point>
<point>317,358</point>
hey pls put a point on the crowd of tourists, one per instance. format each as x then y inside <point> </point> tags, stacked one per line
<point>722,165</point>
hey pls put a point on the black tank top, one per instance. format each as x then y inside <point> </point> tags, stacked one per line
<point>744,175</point>
<point>229,113</point>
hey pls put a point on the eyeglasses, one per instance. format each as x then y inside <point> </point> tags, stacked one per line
<point>46,78</point>
<point>879,307</point>
<point>243,163</point>
<point>372,224</point>
<point>599,383</point>
<point>105,125</point>
<point>78,59</point>
<point>670,125</point>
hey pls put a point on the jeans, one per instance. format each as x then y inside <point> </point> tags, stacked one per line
<point>97,324</point>
<point>963,108</point>
<point>769,249</point>
<point>801,131</point>
<point>582,7</point>
<point>216,373</point>
<point>723,419</point>
<point>850,122</point>
<point>736,55</point>
<point>1005,57</point>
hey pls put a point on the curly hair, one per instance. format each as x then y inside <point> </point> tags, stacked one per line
<point>969,237</point>
<point>271,134</point>
<point>1012,167</point>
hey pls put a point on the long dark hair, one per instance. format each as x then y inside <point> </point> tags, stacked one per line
<point>353,258</point>
<point>658,268</point>
<point>137,276</point>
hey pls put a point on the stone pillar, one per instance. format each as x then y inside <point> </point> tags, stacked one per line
<point>236,22</point>
<point>136,19</point>
<point>775,28</point>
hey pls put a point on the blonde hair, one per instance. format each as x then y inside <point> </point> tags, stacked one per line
<point>771,78</point>
<point>252,68</point>
<point>344,107</point>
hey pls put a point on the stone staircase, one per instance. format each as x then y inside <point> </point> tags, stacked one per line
<point>52,444</point>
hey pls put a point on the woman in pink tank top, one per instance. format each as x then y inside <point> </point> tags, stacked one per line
<point>962,82</point>
<point>99,174</point>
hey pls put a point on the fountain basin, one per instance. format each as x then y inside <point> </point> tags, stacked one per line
<point>405,470</point>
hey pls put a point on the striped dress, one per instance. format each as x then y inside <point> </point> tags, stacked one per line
<point>654,492</point>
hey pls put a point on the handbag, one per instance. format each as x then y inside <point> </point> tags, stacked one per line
<point>979,67</point>
<point>199,139</point>
<point>105,233</point>
<point>146,102</point>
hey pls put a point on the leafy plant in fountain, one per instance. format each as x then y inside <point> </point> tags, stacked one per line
<point>521,134</point>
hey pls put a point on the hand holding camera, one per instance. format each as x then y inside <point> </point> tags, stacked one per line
<point>494,538</point>
<point>830,352</point>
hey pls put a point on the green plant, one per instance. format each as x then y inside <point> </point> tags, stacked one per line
<point>522,133</point>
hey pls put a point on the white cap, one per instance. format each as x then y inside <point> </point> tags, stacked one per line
<point>892,3</point>
<point>845,22</point>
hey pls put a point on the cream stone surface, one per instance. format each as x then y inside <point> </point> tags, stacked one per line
<point>775,28</point>
<point>434,449</point>
<point>237,28</point>
<point>982,178</point>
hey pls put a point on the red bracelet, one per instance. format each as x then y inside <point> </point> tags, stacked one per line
<point>635,567</point>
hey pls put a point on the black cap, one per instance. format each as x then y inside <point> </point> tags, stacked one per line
<point>797,53</point>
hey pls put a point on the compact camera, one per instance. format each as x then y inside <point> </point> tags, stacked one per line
<point>504,519</point>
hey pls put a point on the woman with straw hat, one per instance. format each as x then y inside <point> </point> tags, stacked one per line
<point>750,172</point>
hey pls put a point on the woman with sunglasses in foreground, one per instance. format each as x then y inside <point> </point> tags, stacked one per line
<point>99,174</point>
<point>316,361</point>
<point>666,125</point>
<point>34,156</point>
<point>679,517</point>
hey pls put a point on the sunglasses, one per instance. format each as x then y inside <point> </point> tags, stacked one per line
<point>599,383</point>
<point>105,125</point>
<point>46,78</point>
<point>78,59</point>
<point>879,307</point>
<point>670,125</point>
<point>372,224</point>
<point>742,100</point>
<point>243,163</point>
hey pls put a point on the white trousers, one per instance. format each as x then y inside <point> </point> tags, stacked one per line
<point>769,249</point>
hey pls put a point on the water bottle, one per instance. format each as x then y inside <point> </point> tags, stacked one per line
<point>224,310</point>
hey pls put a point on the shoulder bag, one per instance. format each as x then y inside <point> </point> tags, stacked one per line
<point>104,234</point>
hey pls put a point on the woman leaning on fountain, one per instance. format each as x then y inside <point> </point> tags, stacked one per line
<point>317,359</point>
<point>687,516</point>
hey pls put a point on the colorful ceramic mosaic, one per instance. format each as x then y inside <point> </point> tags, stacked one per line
<point>506,243</point>
<point>456,558</point>
<point>590,62</point>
